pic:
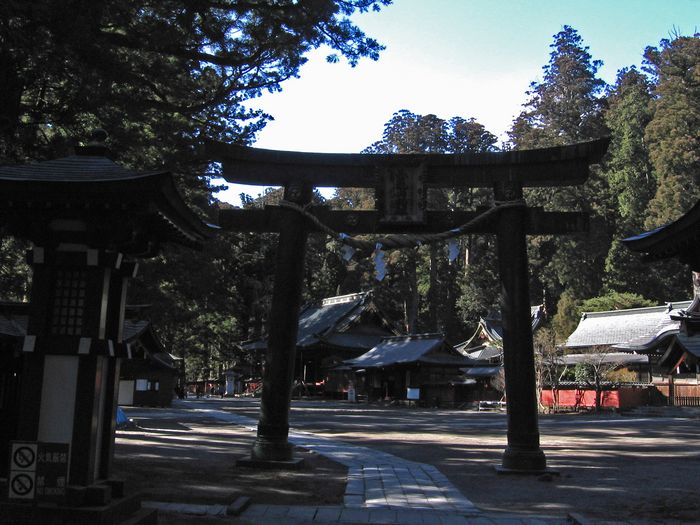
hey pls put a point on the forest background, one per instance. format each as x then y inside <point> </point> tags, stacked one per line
<point>163,76</point>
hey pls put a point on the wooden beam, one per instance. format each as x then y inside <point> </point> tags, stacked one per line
<point>270,219</point>
<point>558,166</point>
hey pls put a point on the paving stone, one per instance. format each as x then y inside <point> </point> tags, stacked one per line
<point>355,486</point>
<point>394,500</point>
<point>327,514</point>
<point>302,513</point>
<point>216,510</point>
<point>430,518</point>
<point>197,510</point>
<point>277,511</point>
<point>376,501</point>
<point>352,500</point>
<point>480,521</point>
<point>453,519</point>
<point>498,520</point>
<point>409,517</point>
<point>255,511</point>
<point>354,516</point>
<point>383,516</point>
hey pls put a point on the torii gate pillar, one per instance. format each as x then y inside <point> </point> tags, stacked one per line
<point>271,445</point>
<point>523,453</point>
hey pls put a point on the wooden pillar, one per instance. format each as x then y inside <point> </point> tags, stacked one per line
<point>523,453</point>
<point>272,444</point>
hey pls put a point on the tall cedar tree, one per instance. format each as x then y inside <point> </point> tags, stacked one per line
<point>673,137</point>
<point>565,108</point>
<point>633,183</point>
<point>422,286</point>
<point>674,133</point>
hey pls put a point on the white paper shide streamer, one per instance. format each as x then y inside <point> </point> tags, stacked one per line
<point>379,263</point>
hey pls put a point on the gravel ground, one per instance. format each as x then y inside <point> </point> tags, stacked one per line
<point>608,467</point>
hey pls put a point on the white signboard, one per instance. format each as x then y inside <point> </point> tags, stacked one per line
<point>413,394</point>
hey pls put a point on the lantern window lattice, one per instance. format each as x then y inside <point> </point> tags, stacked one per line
<point>68,302</point>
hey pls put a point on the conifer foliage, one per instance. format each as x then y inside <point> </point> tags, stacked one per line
<point>162,76</point>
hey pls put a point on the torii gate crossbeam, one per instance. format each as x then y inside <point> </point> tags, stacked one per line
<point>506,173</point>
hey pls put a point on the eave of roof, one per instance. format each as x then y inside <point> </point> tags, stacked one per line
<point>97,188</point>
<point>676,239</point>
<point>620,358</point>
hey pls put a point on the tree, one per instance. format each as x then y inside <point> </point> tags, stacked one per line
<point>594,369</point>
<point>548,370</point>
<point>142,68</point>
<point>672,134</point>
<point>564,108</point>
<point>15,276</point>
<point>161,77</point>
<point>424,279</point>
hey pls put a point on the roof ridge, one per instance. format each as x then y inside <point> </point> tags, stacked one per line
<point>650,309</point>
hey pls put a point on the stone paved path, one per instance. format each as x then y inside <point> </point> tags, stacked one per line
<point>381,488</point>
<point>376,480</point>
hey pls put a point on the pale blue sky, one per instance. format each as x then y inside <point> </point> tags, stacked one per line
<point>468,58</point>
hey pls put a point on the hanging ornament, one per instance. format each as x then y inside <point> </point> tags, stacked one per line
<point>379,263</point>
<point>346,252</point>
<point>452,250</point>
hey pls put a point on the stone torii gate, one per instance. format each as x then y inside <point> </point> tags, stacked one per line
<point>401,183</point>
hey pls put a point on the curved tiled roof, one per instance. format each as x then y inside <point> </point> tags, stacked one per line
<point>74,168</point>
<point>423,348</point>
<point>123,209</point>
<point>331,322</point>
<point>620,327</point>
<point>678,239</point>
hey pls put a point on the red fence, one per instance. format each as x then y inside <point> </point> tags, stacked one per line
<point>624,397</point>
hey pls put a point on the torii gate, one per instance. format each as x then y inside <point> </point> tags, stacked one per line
<point>400,182</point>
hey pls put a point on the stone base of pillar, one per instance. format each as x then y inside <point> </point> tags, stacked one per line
<point>271,454</point>
<point>523,461</point>
<point>268,464</point>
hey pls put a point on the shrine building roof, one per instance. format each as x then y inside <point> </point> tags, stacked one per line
<point>634,329</point>
<point>489,334</point>
<point>332,322</point>
<point>410,349</point>
<point>679,239</point>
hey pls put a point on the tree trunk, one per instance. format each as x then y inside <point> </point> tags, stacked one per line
<point>411,303</point>
<point>434,293</point>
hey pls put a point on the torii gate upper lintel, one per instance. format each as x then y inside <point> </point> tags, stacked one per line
<point>505,172</point>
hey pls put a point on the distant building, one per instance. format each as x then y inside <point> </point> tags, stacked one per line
<point>151,375</point>
<point>485,347</point>
<point>147,377</point>
<point>643,328</point>
<point>330,332</point>
<point>654,341</point>
<point>424,366</point>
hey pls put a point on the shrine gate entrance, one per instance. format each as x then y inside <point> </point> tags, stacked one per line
<point>401,183</point>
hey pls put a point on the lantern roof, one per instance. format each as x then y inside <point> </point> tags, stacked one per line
<point>91,200</point>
